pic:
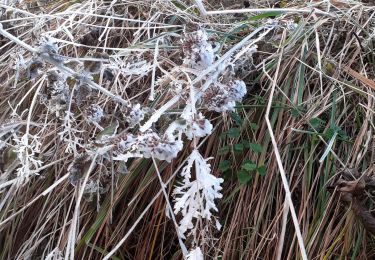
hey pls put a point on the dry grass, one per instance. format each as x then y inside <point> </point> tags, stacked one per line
<point>321,114</point>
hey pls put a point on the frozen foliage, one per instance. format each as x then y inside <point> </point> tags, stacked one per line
<point>93,187</point>
<point>94,113</point>
<point>77,167</point>
<point>244,63</point>
<point>203,82</point>
<point>49,50</point>
<point>222,97</point>
<point>289,24</point>
<point>199,53</point>
<point>134,114</point>
<point>195,199</point>
<point>132,66</point>
<point>151,145</point>
<point>195,254</point>
<point>223,89</point>
<point>26,149</point>
<point>191,126</point>
<point>197,127</point>
<point>55,254</point>
<point>148,145</point>
<point>69,134</point>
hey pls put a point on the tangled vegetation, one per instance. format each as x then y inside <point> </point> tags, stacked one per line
<point>187,130</point>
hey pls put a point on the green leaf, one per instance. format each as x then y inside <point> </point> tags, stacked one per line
<point>224,165</point>
<point>257,148</point>
<point>236,118</point>
<point>295,113</point>
<point>254,126</point>
<point>262,170</point>
<point>227,175</point>
<point>223,150</point>
<point>234,132</point>
<point>249,166</point>
<point>239,147</point>
<point>316,123</point>
<point>222,136</point>
<point>246,143</point>
<point>329,132</point>
<point>264,15</point>
<point>243,176</point>
<point>179,5</point>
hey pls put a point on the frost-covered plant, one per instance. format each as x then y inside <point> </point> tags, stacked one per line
<point>203,82</point>
<point>134,114</point>
<point>195,198</point>
<point>57,97</point>
<point>70,134</point>
<point>147,145</point>
<point>93,187</point>
<point>55,254</point>
<point>222,97</point>
<point>27,147</point>
<point>218,90</point>
<point>199,53</point>
<point>191,125</point>
<point>94,113</point>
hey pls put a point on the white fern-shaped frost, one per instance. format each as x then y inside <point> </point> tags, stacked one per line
<point>195,199</point>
